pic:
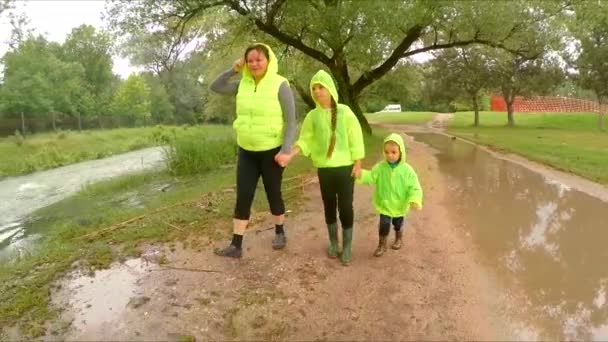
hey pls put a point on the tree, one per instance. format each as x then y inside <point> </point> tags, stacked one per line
<point>67,91</point>
<point>132,100</point>
<point>26,86</point>
<point>92,49</point>
<point>517,76</point>
<point>360,41</point>
<point>591,29</point>
<point>463,72</point>
<point>161,109</point>
<point>401,85</point>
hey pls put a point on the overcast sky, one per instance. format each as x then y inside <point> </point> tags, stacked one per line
<point>56,19</point>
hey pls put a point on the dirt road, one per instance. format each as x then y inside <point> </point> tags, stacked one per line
<point>431,289</point>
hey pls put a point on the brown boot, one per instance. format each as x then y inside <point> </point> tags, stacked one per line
<point>381,247</point>
<point>397,243</point>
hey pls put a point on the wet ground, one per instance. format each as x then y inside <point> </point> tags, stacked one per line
<point>544,239</point>
<point>431,289</point>
<point>20,196</point>
<point>499,252</point>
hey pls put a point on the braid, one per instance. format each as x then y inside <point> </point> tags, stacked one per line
<point>334,119</point>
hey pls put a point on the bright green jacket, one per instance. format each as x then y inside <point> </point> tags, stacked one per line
<point>396,187</point>
<point>316,132</point>
<point>259,118</point>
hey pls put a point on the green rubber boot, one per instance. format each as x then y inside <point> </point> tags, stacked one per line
<point>347,238</point>
<point>332,231</point>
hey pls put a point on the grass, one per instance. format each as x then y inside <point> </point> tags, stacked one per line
<point>49,150</point>
<point>413,118</point>
<point>567,141</point>
<point>72,231</point>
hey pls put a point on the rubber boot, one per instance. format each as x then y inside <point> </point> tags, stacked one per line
<point>332,231</point>
<point>397,243</point>
<point>347,238</point>
<point>381,247</point>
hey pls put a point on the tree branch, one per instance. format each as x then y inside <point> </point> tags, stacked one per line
<point>304,93</point>
<point>283,37</point>
<point>369,77</point>
<point>270,15</point>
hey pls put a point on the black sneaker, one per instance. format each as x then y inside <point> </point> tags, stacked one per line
<point>279,241</point>
<point>230,252</point>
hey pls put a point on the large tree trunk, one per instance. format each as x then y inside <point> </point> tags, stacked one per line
<point>347,94</point>
<point>510,117</point>
<point>509,97</point>
<point>476,109</point>
<point>22,124</point>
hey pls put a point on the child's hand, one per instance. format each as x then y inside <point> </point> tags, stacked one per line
<point>415,206</point>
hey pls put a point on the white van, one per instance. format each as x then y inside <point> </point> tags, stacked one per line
<point>391,108</point>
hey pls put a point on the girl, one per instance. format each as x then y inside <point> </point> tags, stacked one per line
<point>331,136</point>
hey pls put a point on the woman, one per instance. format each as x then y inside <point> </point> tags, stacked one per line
<point>332,137</point>
<point>265,128</point>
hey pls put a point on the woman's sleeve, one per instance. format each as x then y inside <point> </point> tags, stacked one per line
<point>223,85</point>
<point>288,107</point>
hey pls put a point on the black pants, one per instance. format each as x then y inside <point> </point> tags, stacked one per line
<point>337,187</point>
<point>250,166</point>
<point>385,224</point>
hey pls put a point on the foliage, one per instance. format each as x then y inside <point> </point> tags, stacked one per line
<point>132,100</point>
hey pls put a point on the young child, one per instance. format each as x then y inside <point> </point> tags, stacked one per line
<point>332,137</point>
<point>397,190</point>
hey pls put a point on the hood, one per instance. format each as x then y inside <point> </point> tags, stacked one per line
<point>323,78</point>
<point>396,138</point>
<point>273,63</point>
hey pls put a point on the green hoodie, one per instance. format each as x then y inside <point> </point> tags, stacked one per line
<point>396,187</point>
<point>316,132</point>
<point>259,117</point>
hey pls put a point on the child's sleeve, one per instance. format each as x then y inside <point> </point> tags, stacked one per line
<point>415,190</point>
<point>368,176</point>
<point>355,137</point>
<point>306,135</point>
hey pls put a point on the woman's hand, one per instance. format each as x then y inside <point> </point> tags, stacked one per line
<point>237,66</point>
<point>282,159</point>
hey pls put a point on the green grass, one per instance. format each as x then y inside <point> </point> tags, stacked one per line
<point>202,209</point>
<point>569,142</point>
<point>567,121</point>
<point>46,151</point>
<point>413,118</point>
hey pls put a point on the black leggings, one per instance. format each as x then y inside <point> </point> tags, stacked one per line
<point>337,187</point>
<point>385,224</point>
<point>250,165</point>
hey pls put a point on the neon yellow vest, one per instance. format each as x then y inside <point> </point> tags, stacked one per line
<point>259,118</point>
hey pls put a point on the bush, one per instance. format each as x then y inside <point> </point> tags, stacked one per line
<point>189,155</point>
<point>18,138</point>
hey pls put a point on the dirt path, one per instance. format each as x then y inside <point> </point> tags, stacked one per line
<point>429,290</point>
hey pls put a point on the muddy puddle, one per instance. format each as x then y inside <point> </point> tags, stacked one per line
<point>95,301</point>
<point>544,240</point>
<point>20,196</point>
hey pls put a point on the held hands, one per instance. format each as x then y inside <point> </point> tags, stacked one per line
<point>356,173</point>
<point>282,159</point>
<point>237,66</point>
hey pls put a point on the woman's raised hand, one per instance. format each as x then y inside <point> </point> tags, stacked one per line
<point>237,66</point>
